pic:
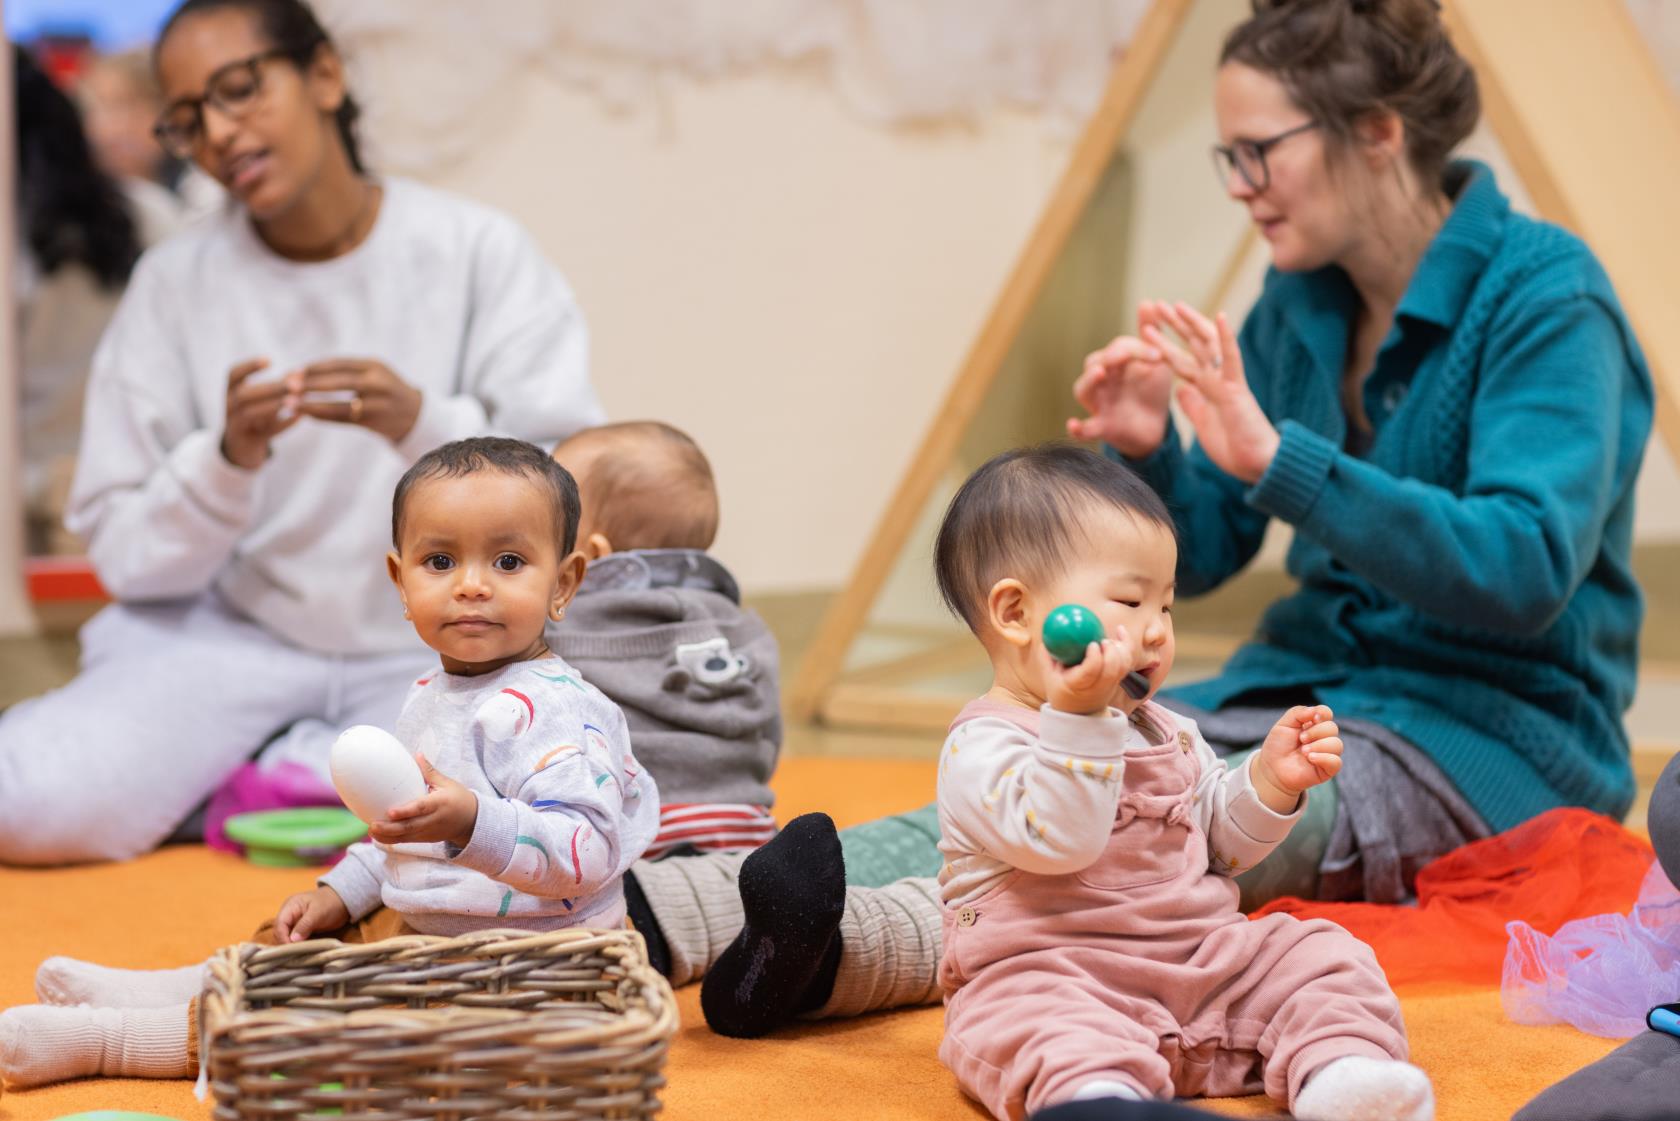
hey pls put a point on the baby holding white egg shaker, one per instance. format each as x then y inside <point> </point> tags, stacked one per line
<point>522,806</point>
<point>533,804</point>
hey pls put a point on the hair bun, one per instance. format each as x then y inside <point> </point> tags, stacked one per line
<point>1372,7</point>
<point>1339,60</point>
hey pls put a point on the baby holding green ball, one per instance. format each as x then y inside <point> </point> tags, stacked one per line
<point>1093,946</point>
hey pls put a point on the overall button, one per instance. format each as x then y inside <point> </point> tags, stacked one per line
<point>1184,740</point>
<point>966,916</point>
<point>1394,396</point>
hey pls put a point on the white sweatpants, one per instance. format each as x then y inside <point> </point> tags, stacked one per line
<point>170,700</point>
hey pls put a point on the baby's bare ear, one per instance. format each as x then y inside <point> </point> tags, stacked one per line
<point>1008,611</point>
<point>572,571</point>
<point>393,569</point>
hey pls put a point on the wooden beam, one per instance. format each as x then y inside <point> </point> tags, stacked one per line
<point>1090,158</point>
<point>878,706</point>
<point>953,654</point>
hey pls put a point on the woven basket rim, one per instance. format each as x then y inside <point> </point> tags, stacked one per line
<point>224,1004</point>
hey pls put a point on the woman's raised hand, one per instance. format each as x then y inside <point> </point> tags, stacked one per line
<point>1126,387</point>
<point>361,391</point>
<point>256,413</point>
<point>1213,392</point>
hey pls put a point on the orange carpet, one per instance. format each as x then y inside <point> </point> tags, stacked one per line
<point>174,906</point>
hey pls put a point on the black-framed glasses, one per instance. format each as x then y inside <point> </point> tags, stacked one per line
<point>232,89</point>
<point>1248,157</point>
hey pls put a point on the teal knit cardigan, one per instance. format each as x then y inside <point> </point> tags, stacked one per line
<point>1466,582</point>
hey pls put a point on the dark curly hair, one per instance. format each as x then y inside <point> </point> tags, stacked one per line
<point>69,210</point>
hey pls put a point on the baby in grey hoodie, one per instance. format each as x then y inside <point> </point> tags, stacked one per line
<point>658,626</point>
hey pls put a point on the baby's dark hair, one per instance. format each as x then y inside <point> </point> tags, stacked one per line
<point>495,453</point>
<point>1022,513</point>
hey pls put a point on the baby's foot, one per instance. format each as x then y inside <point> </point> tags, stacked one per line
<point>793,891</point>
<point>1107,1088</point>
<point>41,1044</point>
<point>66,981</point>
<point>1356,1088</point>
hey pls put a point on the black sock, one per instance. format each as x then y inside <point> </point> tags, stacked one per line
<point>821,986</point>
<point>641,917</point>
<point>785,959</point>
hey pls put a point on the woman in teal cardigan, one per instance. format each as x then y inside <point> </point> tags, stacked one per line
<point>1462,509</point>
<point>1445,403</point>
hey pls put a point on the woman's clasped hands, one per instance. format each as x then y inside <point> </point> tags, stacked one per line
<point>359,391</point>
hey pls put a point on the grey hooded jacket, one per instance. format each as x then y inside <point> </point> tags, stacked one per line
<point>662,632</point>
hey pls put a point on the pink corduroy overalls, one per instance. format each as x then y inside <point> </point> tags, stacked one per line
<point>1140,968</point>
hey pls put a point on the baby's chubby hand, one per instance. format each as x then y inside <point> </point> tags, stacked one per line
<point>447,811</point>
<point>310,912</point>
<point>1089,688</point>
<point>1302,750</point>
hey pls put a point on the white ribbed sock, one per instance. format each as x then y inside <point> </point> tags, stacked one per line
<point>40,1043</point>
<point>1357,1088</point>
<point>889,949</point>
<point>66,981</point>
<point>1106,1088</point>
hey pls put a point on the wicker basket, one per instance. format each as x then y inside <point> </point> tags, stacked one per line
<point>498,1024</point>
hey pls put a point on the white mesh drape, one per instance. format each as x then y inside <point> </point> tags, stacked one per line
<point>431,71</point>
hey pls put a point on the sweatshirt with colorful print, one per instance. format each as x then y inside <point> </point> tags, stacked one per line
<point>563,807</point>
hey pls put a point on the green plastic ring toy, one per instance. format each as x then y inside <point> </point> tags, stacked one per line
<point>295,838</point>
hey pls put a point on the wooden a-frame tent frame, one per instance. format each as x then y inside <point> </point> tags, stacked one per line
<point>1583,114</point>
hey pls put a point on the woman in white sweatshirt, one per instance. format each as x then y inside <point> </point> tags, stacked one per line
<point>268,377</point>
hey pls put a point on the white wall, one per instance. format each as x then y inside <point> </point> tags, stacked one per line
<point>789,284</point>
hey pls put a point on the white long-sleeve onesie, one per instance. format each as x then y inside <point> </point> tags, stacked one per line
<point>1047,805</point>
<point>563,807</point>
